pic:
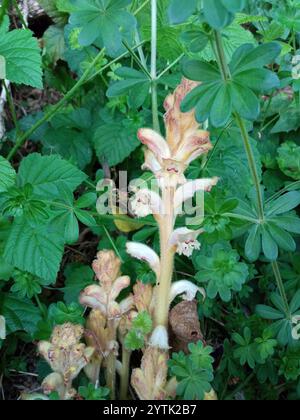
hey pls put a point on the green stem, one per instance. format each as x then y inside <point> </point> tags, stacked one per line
<point>252,166</point>
<point>3,9</point>
<point>153,65</point>
<point>221,56</point>
<point>12,107</point>
<point>251,160</point>
<point>25,26</point>
<point>280,286</point>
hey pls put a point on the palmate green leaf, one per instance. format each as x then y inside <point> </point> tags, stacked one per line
<point>47,173</point>
<point>20,313</point>
<point>7,175</point>
<point>234,5</point>
<point>22,57</point>
<point>35,249</point>
<point>234,36</point>
<point>115,141</point>
<point>284,204</point>
<point>217,14</point>
<point>103,19</point>
<point>289,121</point>
<point>135,83</point>
<point>178,14</point>
<point>248,57</point>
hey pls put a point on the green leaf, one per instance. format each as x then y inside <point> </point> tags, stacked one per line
<point>47,173</point>
<point>253,244</point>
<point>245,102</point>
<point>222,107</point>
<point>289,121</point>
<point>289,159</point>
<point>283,239</point>
<point>260,80</point>
<point>78,277</point>
<point>103,19</point>
<point>195,40</point>
<point>267,312</point>
<point>143,322</point>
<point>201,71</point>
<point>216,14</point>
<point>23,58</point>
<point>35,249</point>
<point>234,5</point>
<point>54,39</point>
<point>7,175</point>
<point>60,313</point>
<point>284,204</point>
<point>247,57</point>
<point>178,14</point>
<point>115,142</point>
<point>90,393</point>
<point>269,245</point>
<point>222,271</point>
<point>20,313</point>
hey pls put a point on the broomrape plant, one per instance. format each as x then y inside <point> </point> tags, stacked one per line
<point>150,263</point>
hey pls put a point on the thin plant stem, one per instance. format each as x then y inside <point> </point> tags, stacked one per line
<point>124,374</point>
<point>252,166</point>
<point>111,362</point>
<point>153,65</point>
<point>251,160</point>
<point>166,226</point>
<point>3,9</point>
<point>12,107</point>
<point>280,286</point>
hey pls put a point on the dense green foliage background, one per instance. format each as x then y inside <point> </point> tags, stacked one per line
<point>95,55</point>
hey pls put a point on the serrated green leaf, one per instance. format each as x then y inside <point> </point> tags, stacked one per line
<point>47,173</point>
<point>20,314</point>
<point>7,175</point>
<point>114,143</point>
<point>23,57</point>
<point>34,249</point>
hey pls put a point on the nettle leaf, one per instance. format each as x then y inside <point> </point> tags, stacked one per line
<point>115,141</point>
<point>103,19</point>
<point>35,249</point>
<point>47,173</point>
<point>7,175</point>
<point>20,313</point>
<point>22,57</point>
<point>178,14</point>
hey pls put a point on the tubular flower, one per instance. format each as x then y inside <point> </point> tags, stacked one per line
<point>65,353</point>
<point>144,253</point>
<point>150,381</point>
<point>103,296</point>
<point>184,241</point>
<point>186,289</point>
<point>146,202</point>
<point>168,159</point>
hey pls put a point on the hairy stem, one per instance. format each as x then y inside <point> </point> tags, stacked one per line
<point>111,363</point>
<point>280,286</point>
<point>124,374</point>
<point>166,227</point>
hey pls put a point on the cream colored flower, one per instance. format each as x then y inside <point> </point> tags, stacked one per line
<point>144,253</point>
<point>184,241</point>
